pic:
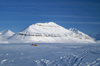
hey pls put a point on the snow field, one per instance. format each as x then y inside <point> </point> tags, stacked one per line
<point>50,54</point>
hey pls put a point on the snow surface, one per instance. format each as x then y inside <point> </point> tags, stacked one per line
<point>50,54</point>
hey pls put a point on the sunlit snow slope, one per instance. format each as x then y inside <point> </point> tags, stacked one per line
<point>4,35</point>
<point>50,33</point>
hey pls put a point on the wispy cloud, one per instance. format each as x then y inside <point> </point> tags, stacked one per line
<point>71,16</point>
<point>95,23</point>
<point>48,15</point>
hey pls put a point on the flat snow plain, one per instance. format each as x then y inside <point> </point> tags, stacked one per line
<point>50,54</point>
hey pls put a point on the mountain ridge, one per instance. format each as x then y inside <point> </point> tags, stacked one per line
<point>7,33</point>
<point>50,33</point>
<point>4,35</point>
<point>96,36</point>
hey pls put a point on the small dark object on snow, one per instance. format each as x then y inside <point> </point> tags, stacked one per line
<point>34,44</point>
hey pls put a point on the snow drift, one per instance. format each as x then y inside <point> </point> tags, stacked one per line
<point>50,54</point>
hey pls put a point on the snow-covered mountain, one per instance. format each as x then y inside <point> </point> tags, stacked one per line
<point>6,33</point>
<point>50,33</point>
<point>78,34</point>
<point>96,36</point>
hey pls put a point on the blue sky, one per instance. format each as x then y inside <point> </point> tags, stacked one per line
<point>83,15</point>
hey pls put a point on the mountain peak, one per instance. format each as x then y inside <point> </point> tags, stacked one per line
<point>7,32</point>
<point>43,28</point>
<point>74,30</point>
<point>3,32</point>
<point>49,24</point>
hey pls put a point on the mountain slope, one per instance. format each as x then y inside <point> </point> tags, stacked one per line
<point>49,33</point>
<point>79,34</point>
<point>6,33</point>
<point>45,29</point>
<point>96,36</point>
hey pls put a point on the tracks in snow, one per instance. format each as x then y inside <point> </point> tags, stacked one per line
<point>68,60</point>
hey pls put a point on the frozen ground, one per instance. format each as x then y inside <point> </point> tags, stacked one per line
<point>50,54</point>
